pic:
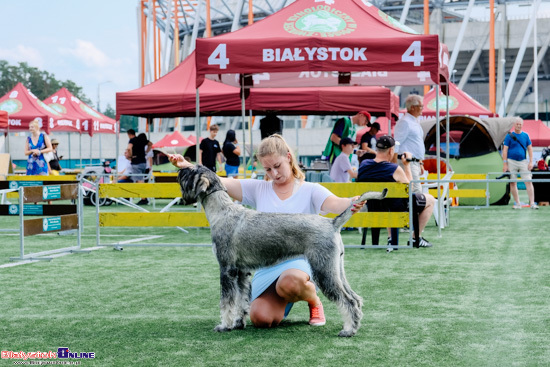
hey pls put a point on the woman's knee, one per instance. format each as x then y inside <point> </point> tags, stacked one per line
<point>292,285</point>
<point>264,318</point>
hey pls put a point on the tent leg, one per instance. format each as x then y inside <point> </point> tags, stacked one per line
<point>243,110</point>
<point>438,154</point>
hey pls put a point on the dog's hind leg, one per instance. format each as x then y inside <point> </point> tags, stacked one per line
<point>328,276</point>
<point>229,299</point>
<point>355,307</point>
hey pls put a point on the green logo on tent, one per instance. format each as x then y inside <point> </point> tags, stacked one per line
<point>453,103</point>
<point>11,106</point>
<point>47,108</point>
<point>89,111</point>
<point>321,21</point>
<point>57,107</point>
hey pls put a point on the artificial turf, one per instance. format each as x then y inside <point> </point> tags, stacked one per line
<point>479,297</point>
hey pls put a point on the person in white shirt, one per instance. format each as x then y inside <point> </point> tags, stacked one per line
<point>410,135</point>
<point>276,288</point>
<point>341,170</point>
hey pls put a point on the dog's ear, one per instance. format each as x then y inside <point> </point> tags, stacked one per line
<point>202,185</point>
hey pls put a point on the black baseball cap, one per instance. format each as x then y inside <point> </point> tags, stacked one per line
<point>346,141</point>
<point>375,125</point>
<point>386,142</point>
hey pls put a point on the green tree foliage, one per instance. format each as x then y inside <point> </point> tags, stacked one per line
<point>128,122</point>
<point>109,111</point>
<point>41,83</point>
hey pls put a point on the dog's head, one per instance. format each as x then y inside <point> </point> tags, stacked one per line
<point>198,182</point>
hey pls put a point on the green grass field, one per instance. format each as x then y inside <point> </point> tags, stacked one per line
<point>479,297</point>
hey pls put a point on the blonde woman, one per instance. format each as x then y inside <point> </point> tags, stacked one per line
<point>276,288</point>
<point>35,146</point>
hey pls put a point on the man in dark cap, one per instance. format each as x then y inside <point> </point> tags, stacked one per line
<point>368,142</point>
<point>344,128</point>
<point>381,169</point>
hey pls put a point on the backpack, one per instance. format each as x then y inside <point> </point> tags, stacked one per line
<point>542,166</point>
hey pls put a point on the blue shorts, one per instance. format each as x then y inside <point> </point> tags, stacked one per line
<point>231,171</point>
<point>264,277</point>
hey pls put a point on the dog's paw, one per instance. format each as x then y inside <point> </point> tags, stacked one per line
<point>239,324</point>
<point>221,329</point>
<point>346,333</point>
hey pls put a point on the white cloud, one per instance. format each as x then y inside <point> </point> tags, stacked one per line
<point>22,54</point>
<point>88,53</point>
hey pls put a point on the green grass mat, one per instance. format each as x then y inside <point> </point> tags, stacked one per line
<point>479,297</point>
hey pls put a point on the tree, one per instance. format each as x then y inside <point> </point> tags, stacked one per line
<point>109,111</point>
<point>128,122</point>
<point>41,83</point>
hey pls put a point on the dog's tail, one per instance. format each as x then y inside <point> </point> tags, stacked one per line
<point>340,220</point>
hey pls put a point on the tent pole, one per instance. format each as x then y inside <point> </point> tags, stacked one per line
<point>197,129</point>
<point>447,132</point>
<point>448,150</point>
<point>297,140</point>
<point>243,110</point>
<point>99,137</point>
<point>197,126</point>
<point>117,138</point>
<point>438,154</point>
<point>69,145</point>
<point>250,117</point>
<point>80,149</point>
<point>91,140</point>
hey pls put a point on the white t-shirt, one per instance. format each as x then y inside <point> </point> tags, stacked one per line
<point>148,154</point>
<point>339,169</point>
<point>123,164</point>
<point>307,199</point>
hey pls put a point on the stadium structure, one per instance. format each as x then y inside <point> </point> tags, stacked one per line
<point>518,77</point>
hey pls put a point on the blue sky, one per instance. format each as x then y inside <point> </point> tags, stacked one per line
<point>87,41</point>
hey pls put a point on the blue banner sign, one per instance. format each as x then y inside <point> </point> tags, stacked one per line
<point>51,192</point>
<point>51,224</point>
<point>27,210</point>
<point>17,184</point>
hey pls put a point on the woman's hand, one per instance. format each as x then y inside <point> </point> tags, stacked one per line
<point>357,206</point>
<point>36,152</point>
<point>178,161</point>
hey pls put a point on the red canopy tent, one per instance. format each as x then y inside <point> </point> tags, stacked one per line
<point>379,101</point>
<point>3,120</point>
<point>90,120</point>
<point>314,43</point>
<point>460,103</point>
<point>538,132</point>
<point>308,43</point>
<point>23,107</point>
<point>173,143</point>
<point>175,139</point>
<point>193,139</point>
<point>174,95</point>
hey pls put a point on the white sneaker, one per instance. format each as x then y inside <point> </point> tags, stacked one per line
<point>517,206</point>
<point>534,206</point>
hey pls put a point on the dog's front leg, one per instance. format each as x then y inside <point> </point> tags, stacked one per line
<point>244,299</point>
<point>229,298</point>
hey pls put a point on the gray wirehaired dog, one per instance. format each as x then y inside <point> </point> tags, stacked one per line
<point>244,240</point>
